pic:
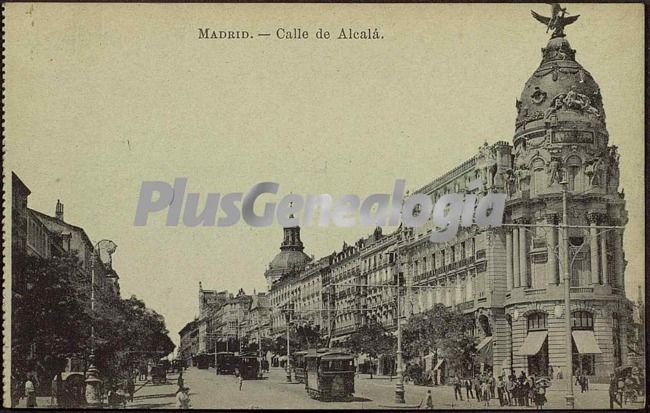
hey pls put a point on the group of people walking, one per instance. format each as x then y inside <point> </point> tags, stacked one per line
<point>510,391</point>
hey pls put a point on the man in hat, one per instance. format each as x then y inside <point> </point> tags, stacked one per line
<point>183,398</point>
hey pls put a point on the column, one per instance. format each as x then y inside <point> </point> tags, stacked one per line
<point>523,256</point>
<point>515,257</point>
<point>509,280</point>
<point>603,259</point>
<point>593,246</point>
<point>619,265</point>
<point>551,241</point>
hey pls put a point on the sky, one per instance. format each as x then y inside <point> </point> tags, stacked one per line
<point>101,97</point>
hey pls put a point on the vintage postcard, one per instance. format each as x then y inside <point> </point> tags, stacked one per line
<point>324,206</point>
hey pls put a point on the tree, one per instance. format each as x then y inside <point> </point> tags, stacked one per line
<point>308,336</point>
<point>267,345</point>
<point>128,333</point>
<point>440,329</point>
<point>50,314</point>
<point>372,339</point>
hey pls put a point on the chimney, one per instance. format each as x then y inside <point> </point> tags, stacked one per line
<point>59,210</point>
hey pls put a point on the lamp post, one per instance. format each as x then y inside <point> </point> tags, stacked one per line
<point>567,296</point>
<point>93,382</point>
<point>288,317</point>
<point>399,386</point>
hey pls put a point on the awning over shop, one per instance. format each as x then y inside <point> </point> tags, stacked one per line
<point>533,343</point>
<point>487,340</point>
<point>439,364</point>
<point>484,350</point>
<point>585,342</point>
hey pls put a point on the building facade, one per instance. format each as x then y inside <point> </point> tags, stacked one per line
<point>509,280</point>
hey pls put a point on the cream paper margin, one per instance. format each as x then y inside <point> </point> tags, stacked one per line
<point>603,30</point>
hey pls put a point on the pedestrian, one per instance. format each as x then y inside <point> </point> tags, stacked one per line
<point>613,392</point>
<point>520,390</point>
<point>130,387</point>
<point>550,371</point>
<point>485,392</point>
<point>180,382</point>
<point>458,394</point>
<point>53,394</point>
<point>510,388</point>
<point>182,398</point>
<point>429,401</point>
<point>493,387</point>
<point>540,394</point>
<point>30,391</point>
<point>581,382</point>
<point>241,381</point>
<point>121,396</point>
<point>477,387</point>
<point>501,389</point>
<point>525,391</point>
<point>468,388</point>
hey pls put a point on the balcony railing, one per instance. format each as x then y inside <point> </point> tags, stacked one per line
<point>582,289</point>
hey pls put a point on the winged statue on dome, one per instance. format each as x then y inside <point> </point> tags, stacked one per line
<point>558,20</point>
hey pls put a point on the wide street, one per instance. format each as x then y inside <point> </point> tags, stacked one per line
<point>209,391</point>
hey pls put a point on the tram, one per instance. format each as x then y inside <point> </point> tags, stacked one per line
<point>330,375</point>
<point>226,362</point>
<point>249,367</point>
<point>299,366</point>
<point>202,361</point>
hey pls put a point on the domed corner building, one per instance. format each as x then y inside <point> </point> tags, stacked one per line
<point>510,280</point>
<point>561,135</point>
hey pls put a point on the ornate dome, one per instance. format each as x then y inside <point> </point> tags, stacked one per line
<point>289,259</point>
<point>559,91</point>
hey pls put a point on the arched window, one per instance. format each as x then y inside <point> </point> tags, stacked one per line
<point>484,323</point>
<point>539,176</point>
<point>537,321</point>
<point>573,165</point>
<point>582,320</point>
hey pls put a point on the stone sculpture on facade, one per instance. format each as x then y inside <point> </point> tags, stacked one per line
<point>553,170</point>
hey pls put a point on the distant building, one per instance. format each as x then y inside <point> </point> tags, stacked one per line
<point>189,343</point>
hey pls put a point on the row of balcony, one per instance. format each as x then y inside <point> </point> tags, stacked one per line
<point>445,268</point>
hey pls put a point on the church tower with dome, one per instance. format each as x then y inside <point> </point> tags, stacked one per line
<point>290,259</point>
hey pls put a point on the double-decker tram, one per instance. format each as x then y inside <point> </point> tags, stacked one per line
<point>330,375</point>
<point>249,367</point>
<point>299,366</point>
<point>226,362</point>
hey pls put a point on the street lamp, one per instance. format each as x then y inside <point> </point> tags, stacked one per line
<point>399,386</point>
<point>288,318</point>
<point>567,295</point>
<point>93,382</point>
